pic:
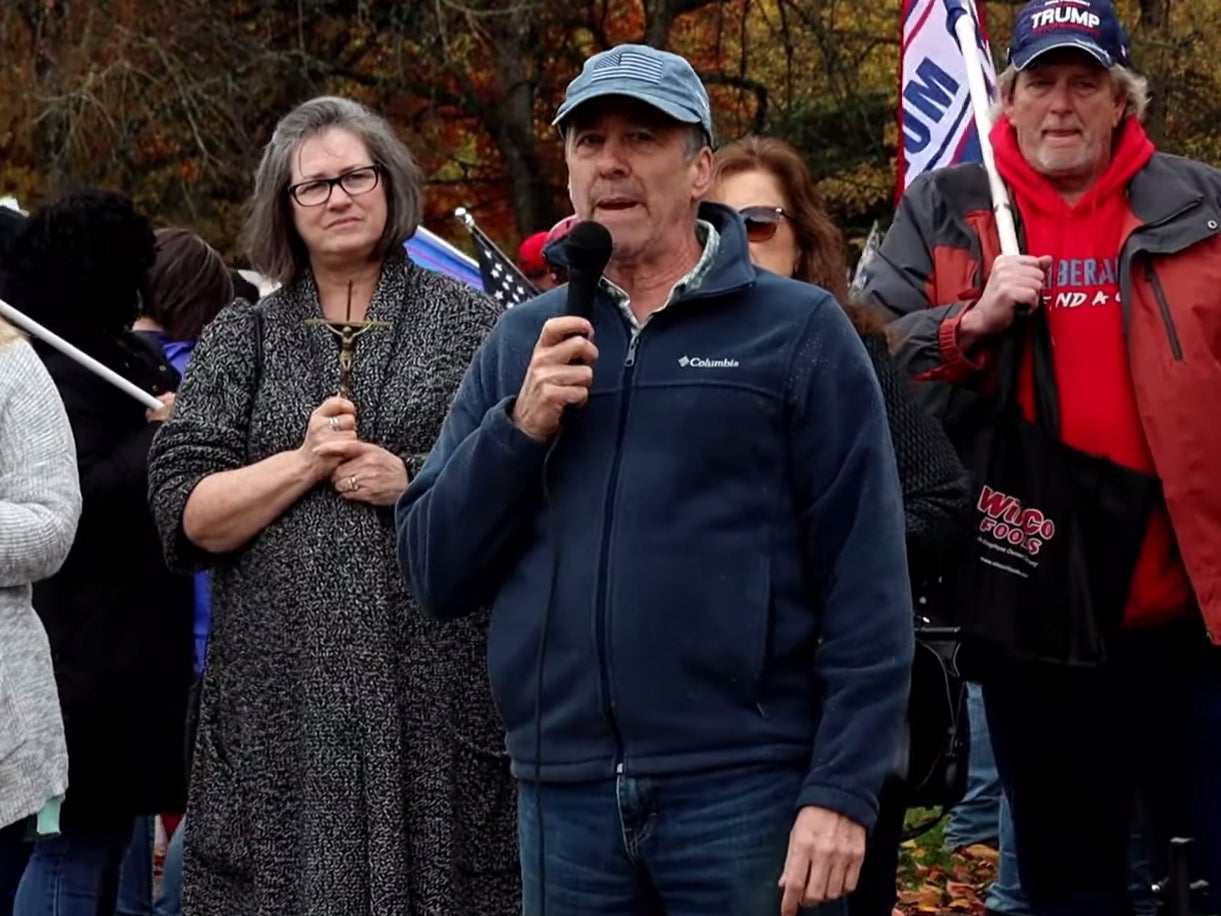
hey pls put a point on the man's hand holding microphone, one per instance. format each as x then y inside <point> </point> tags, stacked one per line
<point>560,374</point>
<point>561,368</point>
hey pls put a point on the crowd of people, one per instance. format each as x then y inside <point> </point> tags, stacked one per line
<point>605,605</point>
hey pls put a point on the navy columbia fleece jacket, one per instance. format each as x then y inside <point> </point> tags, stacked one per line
<point>717,548</point>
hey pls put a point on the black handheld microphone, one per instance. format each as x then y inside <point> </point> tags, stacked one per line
<point>588,248</point>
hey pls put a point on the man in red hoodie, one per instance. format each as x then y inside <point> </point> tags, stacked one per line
<point>1125,254</point>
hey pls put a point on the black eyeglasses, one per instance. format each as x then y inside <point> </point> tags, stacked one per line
<point>317,191</point>
<point>761,222</point>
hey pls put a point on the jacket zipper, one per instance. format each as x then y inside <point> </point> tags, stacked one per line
<point>602,622</point>
<point>1129,252</point>
<point>602,613</point>
<point>1163,306</point>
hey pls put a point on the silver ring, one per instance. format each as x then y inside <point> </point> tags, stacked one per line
<point>353,483</point>
<point>334,421</point>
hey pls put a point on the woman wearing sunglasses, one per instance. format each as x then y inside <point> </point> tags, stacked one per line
<point>790,233</point>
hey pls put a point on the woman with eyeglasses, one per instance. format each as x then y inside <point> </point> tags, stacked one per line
<point>348,758</point>
<point>790,233</point>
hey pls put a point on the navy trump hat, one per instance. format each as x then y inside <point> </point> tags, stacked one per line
<point>657,78</point>
<point>1091,26</point>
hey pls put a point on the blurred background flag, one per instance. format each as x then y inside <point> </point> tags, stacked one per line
<point>501,278</point>
<point>432,252</point>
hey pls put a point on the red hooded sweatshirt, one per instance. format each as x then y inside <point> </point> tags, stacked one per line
<point>1090,356</point>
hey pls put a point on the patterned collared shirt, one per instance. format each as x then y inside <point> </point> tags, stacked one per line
<point>706,233</point>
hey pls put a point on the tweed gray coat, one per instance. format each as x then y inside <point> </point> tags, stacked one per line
<point>349,759</point>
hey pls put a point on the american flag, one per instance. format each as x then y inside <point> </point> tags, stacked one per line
<point>501,278</point>
<point>621,62</point>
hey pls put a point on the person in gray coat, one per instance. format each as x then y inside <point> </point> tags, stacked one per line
<point>40,502</point>
<point>349,760</point>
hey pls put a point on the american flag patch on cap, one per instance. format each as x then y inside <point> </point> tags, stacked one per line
<point>630,64</point>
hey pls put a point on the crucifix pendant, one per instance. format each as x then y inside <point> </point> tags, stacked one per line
<point>347,331</point>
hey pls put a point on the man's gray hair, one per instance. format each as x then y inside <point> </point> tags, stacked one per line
<point>694,138</point>
<point>271,239</point>
<point>1134,87</point>
<point>694,141</point>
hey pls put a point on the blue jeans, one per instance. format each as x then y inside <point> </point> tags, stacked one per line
<point>136,896</point>
<point>983,818</point>
<point>1006,894</point>
<point>698,844</point>
<point>14,854</point>
<point>73,874</point>
<point>136,873</point>
<point>169,901</point>
<point>976,819</point>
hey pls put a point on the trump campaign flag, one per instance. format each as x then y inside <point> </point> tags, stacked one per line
<point>936,127</point>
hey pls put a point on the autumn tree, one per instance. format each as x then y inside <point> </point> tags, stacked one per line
<point>172,103</point>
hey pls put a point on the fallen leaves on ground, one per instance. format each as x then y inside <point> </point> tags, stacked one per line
<point>934,880</point>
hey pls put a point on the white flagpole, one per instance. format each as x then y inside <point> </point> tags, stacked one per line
<point>962,22</point>
<point>33,327</point>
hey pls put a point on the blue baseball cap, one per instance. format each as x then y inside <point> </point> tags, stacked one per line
<point>657,78</point>
<point>1091,26</point>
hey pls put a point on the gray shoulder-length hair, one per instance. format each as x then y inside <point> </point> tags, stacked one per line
<point>271,240</point>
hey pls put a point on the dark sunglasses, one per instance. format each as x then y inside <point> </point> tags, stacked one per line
<point>761,222</point>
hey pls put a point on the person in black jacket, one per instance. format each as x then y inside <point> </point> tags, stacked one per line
<point>768,183</point>
<point>119,623</point>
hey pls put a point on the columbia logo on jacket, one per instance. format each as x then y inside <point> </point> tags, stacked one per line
<point>702,362</point>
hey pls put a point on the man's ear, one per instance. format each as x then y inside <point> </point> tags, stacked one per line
<point>1007,90</point>
<point>702,165</point>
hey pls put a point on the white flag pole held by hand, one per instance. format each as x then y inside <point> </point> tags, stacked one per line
<point>961,17</point>
<point>33,327</point>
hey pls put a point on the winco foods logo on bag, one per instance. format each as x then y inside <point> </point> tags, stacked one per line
<point>1009,522</point>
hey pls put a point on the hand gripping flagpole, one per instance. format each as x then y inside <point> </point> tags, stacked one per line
<point>33,327</point>
<point>961,18</point>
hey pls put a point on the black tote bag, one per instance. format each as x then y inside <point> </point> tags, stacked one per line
<point>1057,532</point>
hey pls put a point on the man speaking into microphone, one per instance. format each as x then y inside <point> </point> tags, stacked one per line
<point>675,486</point>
